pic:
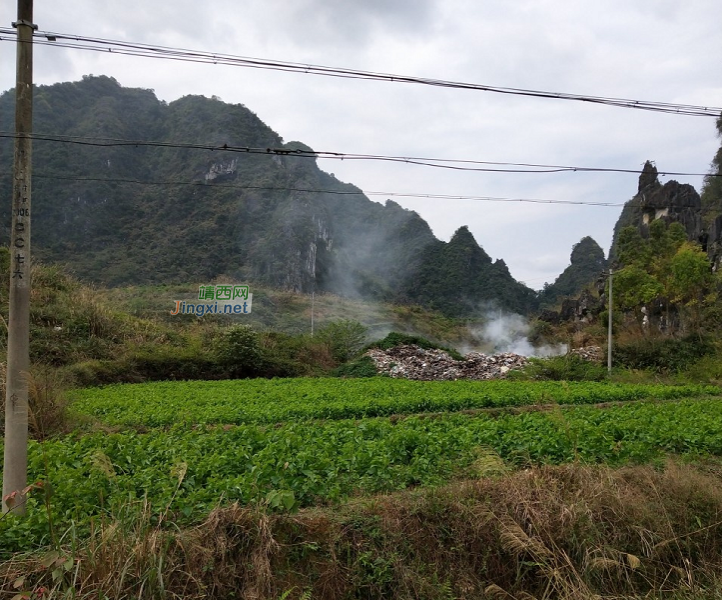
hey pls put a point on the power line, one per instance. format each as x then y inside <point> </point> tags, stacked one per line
<point>441,163</point>
<point>113,142</point>
<point>180,54</point>
<point>357,192</point>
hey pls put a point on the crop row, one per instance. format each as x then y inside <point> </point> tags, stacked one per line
<point>189,470</point>
<point>272,401</point>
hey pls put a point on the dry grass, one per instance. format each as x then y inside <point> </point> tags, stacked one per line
<point>46,401</point>
<point>570,532</point>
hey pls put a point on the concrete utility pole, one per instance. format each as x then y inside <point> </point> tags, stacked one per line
<point>313,307</point>
<point>609,335</point>
<point>15,469</point>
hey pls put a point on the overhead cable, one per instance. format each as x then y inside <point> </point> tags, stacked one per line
<point>353,192</point>
<point>79,42</point>
<point>441,163</point>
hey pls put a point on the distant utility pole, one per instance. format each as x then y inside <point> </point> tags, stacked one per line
<point>313,306</point>
<point>15,468</point>
<point>609,335</point>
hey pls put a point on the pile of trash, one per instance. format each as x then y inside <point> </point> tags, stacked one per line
<point>590,353</point>
<point>414,362</point>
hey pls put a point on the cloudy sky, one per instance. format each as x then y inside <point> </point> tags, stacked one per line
<point>660,50</point>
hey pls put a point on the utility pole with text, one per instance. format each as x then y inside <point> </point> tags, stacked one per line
<point>18,362</point>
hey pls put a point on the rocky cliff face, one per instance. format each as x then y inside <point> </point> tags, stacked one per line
<point>714,242</point>
<point>672,202</point>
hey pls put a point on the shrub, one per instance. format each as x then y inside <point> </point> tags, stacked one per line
<point>285,355</point>
<point>238,348</point>
<point>344,338</point>
<point>171,364</point>
<point>561,368</point>
<point>663,355</point>
<point>540,333</point>
<point>157,362</point>
<point>361,367</point>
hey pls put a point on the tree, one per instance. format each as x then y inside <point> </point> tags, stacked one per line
<point>634,287</point>
<point>664,268</point>
<point>633,249</point>
<point>690,278</point>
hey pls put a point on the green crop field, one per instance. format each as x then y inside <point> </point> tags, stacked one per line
<point>291,443</point>
<point>271,401</point>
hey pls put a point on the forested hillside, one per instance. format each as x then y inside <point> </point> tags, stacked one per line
<point>121,213</point>
<point>587,263</point>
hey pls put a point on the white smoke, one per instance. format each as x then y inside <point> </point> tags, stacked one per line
<point>510,333</point>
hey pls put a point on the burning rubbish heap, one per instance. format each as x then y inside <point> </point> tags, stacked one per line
<point>414,362</point>
<point>590,353</point>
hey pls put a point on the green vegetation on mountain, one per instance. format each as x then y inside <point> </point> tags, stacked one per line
<point>138,214</point>
<point>664,273</point>
<point>666,252</point>
<point>587,264</point>
<point>459,278</point>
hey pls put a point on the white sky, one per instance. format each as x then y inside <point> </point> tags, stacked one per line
<point>661,50</point>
